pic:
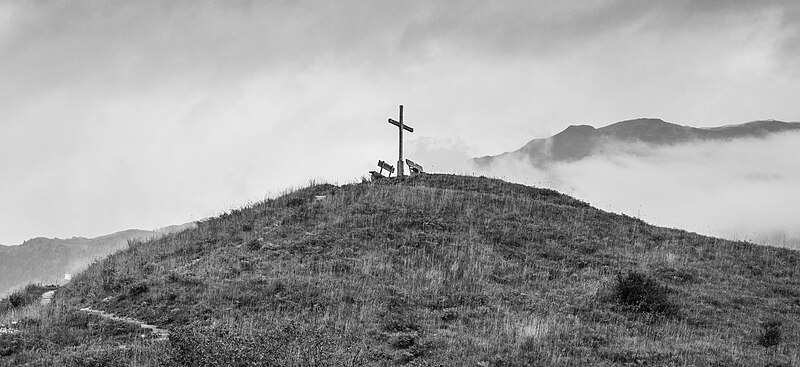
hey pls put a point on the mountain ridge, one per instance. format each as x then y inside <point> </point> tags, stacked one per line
<point>580,141</point>
<point>46,260</point>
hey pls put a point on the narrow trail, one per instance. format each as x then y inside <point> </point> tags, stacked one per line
<point>162,334</point>
<point>47,297</point>
<point>44,300</point>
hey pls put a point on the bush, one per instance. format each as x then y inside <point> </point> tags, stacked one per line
<point>253,245</point>
<point>404,340</point>
<point>138,289</point>
<point>294,202</point>
<point>642,294</point>
<point>770,334</point>
<point>10,344</point>
<point>16,300</point>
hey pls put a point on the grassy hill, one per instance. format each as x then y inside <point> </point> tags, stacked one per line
<point>46,260</point>
<point>424,271</point>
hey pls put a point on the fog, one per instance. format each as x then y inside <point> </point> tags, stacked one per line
<point>149,113</point>
<point>745,189</point>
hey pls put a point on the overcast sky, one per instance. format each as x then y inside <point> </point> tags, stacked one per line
<point>141,114</point>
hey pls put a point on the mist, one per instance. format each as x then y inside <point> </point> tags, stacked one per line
<point>745,189</point>
<point>151,113</point>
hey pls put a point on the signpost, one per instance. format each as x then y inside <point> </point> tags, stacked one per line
<point>401,127</point>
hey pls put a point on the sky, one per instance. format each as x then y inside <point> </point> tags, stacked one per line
<point>117,115</point>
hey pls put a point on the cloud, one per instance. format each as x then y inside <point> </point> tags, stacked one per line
<point>148,113</point>
<point>543,27</point>
<point>111,42</point>
<point>743,189</point>
<point>446,155</point>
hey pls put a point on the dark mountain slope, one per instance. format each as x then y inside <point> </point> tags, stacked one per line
<point>425,271</point>
<point>581,141</point>
<point>46,260</point>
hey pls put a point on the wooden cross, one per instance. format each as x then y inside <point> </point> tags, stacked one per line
<point>401,127</point>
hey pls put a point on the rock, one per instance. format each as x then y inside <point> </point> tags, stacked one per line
<point>7,330</point>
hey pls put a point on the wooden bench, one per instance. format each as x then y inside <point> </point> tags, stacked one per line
<point>413,168</point>
<point>384,166</point>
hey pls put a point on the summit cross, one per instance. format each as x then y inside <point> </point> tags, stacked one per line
<point>401,127</point>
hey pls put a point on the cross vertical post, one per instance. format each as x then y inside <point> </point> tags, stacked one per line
<point>401,126</point>
<point>400,171</point>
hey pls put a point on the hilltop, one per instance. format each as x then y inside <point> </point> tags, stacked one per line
<point>46,260</point>
<point>424,271</point>
<point>580,141</point>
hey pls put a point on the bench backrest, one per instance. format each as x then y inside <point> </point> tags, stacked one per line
<point>413,167</point>
<point>386,166</point>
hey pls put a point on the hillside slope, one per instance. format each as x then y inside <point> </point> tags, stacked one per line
<point>580,141</point>
<point>45,260</point>
<point>425,271</point>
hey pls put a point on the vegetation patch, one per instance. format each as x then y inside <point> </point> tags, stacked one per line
<point>288,344</point>
<point>24,297</point>
<point>770,335</point>
<point>640,293</point>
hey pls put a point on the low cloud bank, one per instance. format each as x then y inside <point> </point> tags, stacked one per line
<point>746,189</point>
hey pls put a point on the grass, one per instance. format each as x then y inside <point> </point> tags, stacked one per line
<point>640,293</point>
<point>21,298</point>
<point>426,271</point>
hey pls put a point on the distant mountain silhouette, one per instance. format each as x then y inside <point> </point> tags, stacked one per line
<point>46,260</point>
<point>581,141</point>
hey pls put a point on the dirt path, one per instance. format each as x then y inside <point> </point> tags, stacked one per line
<point>44,299</point>
<point>162,334</point>
<point>47,297</point>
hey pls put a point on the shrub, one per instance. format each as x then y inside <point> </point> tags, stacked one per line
<point>293,202</point>
<point>642,294</point>
<point>770,334</point>
<point>404,340</point>
<point>16,300</point>
<point>138,289</point>
<point>10,344</point>
<point>253,245</point>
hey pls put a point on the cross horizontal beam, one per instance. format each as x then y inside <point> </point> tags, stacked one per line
<point>406,127</point>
